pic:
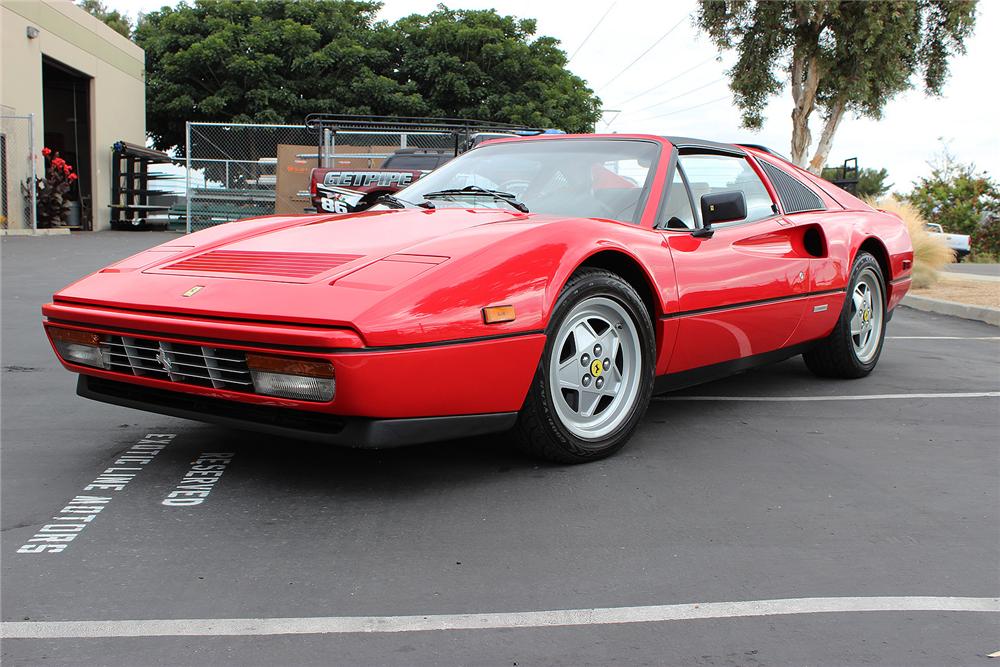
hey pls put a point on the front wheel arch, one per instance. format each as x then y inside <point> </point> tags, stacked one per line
<point>627,268</point>
<point>541,429</point>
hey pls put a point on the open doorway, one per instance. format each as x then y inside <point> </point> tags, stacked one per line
<point>66,121</point>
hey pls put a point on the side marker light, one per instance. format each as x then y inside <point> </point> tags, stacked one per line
<point>497,314</point>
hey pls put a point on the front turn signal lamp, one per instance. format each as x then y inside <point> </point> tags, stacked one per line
<point>79,347</point>
<point>497,314</point>
<point>301,379</point>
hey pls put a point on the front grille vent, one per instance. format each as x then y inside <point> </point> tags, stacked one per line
<point>220,368</point>
<point>285,264</point>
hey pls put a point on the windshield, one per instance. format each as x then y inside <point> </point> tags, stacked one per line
<point>581,178</point>
<point>415,161</point>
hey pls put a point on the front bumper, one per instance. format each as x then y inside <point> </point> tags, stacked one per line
<point>358,432</point>
<point>462,378</point>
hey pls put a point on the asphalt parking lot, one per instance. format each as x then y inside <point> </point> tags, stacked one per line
<point>771,495</point>
<point>975,269</point>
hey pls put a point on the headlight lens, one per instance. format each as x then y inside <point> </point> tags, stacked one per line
<point>299,379</point>
<point>79,347</point>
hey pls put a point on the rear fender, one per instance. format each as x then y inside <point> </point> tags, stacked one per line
<point>886,237</point>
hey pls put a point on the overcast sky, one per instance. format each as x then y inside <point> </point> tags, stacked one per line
<point>695,99</point>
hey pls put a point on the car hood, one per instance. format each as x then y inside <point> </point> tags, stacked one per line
<point>303,270</point>
<point>321,249</point>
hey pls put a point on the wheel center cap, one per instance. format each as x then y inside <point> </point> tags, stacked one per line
<point>596,368</point>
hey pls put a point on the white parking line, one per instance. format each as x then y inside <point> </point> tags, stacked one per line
<point>943,337</point>
<point>214,627</point>
<point>863,397</point>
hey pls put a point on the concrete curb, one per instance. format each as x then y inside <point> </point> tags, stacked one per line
<point>953,308</point>
<point>51,231</point>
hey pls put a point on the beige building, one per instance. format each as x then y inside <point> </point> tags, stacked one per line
<point>83,84</point>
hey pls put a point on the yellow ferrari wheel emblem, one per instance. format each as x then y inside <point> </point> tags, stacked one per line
<point>596,368</point>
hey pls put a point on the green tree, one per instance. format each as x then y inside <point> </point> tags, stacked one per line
<point>479,64</point>
<point>270,61</point>
<point>262,62</point>
<point>955,195</point>
<point>840,56</point>
<point>112,17</point>
<point>871,182</point>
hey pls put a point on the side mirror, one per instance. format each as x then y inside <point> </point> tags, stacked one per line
<point>718,208</point>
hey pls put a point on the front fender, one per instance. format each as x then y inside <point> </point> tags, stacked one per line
<point>523,264</point>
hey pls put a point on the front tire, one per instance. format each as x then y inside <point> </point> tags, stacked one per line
<point>595,377</point>
<point>854,346</point>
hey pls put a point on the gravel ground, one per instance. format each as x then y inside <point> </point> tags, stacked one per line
<point>973,292</point>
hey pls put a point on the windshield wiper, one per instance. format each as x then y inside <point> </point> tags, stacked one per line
<point>395,202</point>
<point>476,191</point>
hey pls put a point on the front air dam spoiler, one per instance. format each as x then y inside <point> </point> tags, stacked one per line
<point>358,432</point>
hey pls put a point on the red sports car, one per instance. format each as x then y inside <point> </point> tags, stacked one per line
<point>547,285</point>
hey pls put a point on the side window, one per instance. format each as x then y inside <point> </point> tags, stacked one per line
<point>677,213</point>
<point>710,174</point>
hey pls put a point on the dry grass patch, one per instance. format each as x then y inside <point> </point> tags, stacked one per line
<point>930,253</point>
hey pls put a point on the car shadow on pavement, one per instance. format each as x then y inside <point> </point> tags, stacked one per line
<point>284,463</point>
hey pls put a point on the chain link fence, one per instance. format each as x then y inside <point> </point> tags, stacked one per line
<point>18,170</point>
<point>237,171</point>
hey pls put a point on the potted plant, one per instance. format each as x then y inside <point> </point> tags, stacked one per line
<point>51,192</point>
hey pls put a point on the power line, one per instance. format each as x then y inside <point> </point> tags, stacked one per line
<point>592,31</point>
<point>684,94</point>
<point>616,112</point>
<point>663,83</point>
<point>696,106</point>
<point>672,99</point>
<point>643,54</point>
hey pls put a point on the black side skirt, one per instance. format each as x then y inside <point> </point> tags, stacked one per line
<point>675,381</point>
<point>360,432</point>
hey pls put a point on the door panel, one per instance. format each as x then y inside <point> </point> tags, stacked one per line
<point>735,291</point>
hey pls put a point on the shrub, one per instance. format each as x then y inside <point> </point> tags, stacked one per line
<point>986,239</point>
<point>930,253</point>
<point>956,196</point>
<point>871,182</point>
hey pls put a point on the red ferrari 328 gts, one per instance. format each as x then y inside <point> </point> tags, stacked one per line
<point>547,285</point>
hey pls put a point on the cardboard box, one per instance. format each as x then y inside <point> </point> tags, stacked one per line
<point>292,178</point>
<point>293,173</point>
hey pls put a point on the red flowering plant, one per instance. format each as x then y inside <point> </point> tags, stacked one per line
<point>51,192</point>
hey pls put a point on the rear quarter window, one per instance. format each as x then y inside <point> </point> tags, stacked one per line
<point>795,197</point>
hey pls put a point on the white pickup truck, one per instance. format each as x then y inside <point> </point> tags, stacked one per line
<point>959,243</point>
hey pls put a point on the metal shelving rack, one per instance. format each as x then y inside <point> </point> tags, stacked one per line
<point>132,185</point>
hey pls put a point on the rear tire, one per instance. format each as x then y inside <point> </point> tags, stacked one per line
<point>595,377</point>
<point>853,348</point>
